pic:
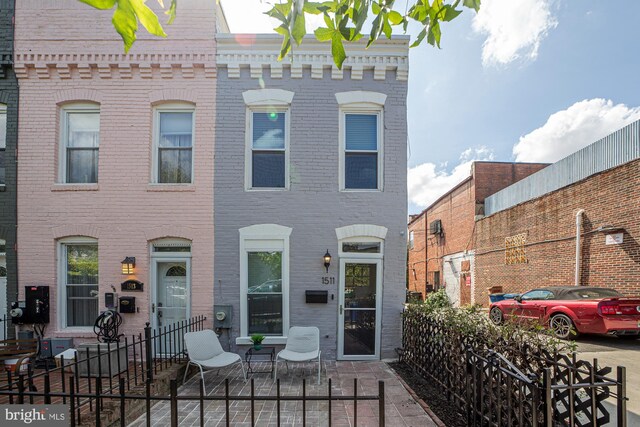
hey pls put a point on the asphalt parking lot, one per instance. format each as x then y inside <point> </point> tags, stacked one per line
<point>612,351</point>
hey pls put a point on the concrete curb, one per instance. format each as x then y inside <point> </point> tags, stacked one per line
<point>419,400</point>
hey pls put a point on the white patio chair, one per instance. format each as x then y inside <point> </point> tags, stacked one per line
<point>303,345</point>
<point>205,351</point>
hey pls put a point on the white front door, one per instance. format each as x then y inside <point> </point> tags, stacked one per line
<point>171,292</point>
<point>359,312</point>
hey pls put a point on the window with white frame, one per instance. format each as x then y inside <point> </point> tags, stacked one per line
<point>264,280</point>
<point>80,143</point>
<point>3,142</point>
<point>173,145</point>
<point>361,140</point>
<point>78,282</point>
<point>267,140</point>
<point>411,239</point>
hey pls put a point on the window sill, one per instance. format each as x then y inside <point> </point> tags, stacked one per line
<point>171,187</point>
<point>267,341</point>
<point>361,190</point>
<point>75,333</point>
<point>267,189</point>
<point>74,187</point>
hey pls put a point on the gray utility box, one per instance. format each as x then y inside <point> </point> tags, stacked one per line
<point>101,357</point>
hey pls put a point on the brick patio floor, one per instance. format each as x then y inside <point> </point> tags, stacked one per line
<point>401,410</point>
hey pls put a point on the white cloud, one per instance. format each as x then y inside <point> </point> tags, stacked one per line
<point>569,130</point>
<point>514,29</point>
<point>427,182</point>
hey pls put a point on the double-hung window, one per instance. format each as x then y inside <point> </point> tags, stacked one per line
<point>174,144</point>
<point>267,139</point>
<point>361,140</point>
<point>80,142</point>
<point>268,149</point>
<point>264,281</point>
<point>3,142</point>
<point>78,282</point>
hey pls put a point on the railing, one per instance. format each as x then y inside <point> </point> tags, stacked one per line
<point>133,362</point>
<point>121,398</point>
<point>531,388</point>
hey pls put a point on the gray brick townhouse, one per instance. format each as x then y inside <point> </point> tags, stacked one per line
<point>8,141</point>
<point>310,193</point>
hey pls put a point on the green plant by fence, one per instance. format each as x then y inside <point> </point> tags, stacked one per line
<point>508,375</point>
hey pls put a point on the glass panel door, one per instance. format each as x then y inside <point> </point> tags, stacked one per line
<point>359,322</point>
<point>171,295</point>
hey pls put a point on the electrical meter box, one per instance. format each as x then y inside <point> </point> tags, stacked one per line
<point>222,316</point>
<point>127,304</point>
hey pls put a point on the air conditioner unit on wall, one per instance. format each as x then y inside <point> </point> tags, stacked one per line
<point>435,227</point>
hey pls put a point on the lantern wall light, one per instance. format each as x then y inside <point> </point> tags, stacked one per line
<point>327,260</point>
<point>128,265</point>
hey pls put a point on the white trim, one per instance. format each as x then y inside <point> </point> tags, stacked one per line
<point>267,97</point>
<point>361,96</point>
<point>264,237</point>
<point>259,53</point>
<point>75,107</point>
<point>61,288</point>
<point>361,108</point>
<point>3,112</point>
<point>171,107</point>
<point>379,273</point>
<point>361,230</point>
<point>248,163</point>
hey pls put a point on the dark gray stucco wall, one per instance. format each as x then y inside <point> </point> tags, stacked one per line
<point>313,207</point>
<point>8,193</point>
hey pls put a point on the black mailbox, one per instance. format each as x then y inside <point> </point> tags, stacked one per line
<point>317,297</point>
<point>127,304</point>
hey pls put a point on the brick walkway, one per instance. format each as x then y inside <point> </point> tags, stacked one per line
<point>401,410</point>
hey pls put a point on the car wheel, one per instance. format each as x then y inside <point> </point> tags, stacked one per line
<point>496,316</point>
<point>562,327</point>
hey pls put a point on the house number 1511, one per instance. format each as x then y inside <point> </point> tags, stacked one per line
<point>328,280</point>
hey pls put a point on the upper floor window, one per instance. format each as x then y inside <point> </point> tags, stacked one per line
<point>3,142</point>
<point>411,239</point>
<point>267,142</point>
<point>361,142</point>
<point>80,143</point>
<point>268,149</point>
<point>173,145</point>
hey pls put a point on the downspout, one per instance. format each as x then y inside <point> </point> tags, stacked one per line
<point>578,246</point>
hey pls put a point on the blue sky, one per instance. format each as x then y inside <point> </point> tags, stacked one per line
<point>526,80</point>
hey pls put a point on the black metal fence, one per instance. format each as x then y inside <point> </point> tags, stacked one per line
<point>102,368</point>
<point>532,388</point>
<point>112,377</point>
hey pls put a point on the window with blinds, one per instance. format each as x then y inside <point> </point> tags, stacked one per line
<point>81,144</point>
<point>361,151</point>
<point>175,147</point>
<point>268,150</point>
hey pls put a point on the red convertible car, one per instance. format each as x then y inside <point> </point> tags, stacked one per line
<point>572,310</point>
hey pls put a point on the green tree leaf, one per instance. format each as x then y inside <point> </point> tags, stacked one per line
<point>147,18</point>
<point>337,49</point>
<point>395,17</point>
<point>172,11</point>
<point>299,29</point>
<point>472,4</point>
<point>125,22</point>
<point>323,34</point>
<point>100,4</point>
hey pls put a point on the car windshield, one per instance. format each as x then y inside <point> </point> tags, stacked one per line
<point>593,293</point>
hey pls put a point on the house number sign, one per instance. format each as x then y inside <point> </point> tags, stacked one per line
<point>132,285</point>
<point>327,280</point>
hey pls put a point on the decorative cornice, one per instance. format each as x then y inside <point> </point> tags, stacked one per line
<point>114,65</point>
<point>260,52</point>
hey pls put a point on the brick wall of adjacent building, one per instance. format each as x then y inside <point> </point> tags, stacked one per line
<point>457,210</point>
<point>609,199</point>
<point>9,98</point>
<point>124,211</point>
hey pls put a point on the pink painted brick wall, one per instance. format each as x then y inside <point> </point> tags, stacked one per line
<point>71,53</point>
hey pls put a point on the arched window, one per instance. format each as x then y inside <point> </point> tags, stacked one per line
<point>173,143</point>
<point>79,143</point>
<point>78,278</point>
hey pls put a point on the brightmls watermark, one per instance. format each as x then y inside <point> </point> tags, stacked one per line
<point>34,415</point>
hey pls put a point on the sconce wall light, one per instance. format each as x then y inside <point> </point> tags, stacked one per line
<point>128,264</point>
<point>327,260</point>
